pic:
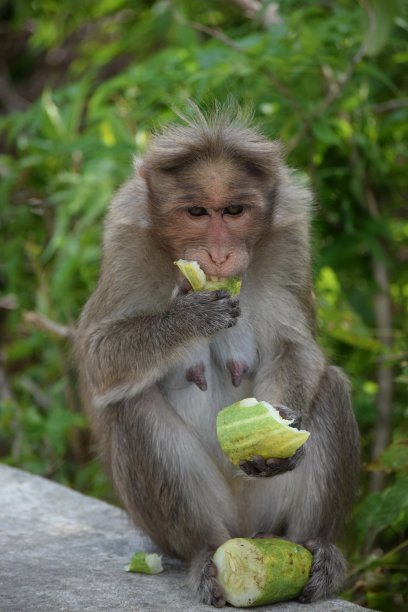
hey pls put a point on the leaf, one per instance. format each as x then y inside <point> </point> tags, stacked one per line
<point>381,14</point>
<point>395,457</point>
<point>386,509</point>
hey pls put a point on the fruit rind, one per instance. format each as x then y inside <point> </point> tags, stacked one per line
<point>254,572</point>
<point>248,428</point>
<point>232,285</point>
<point>193,273</point>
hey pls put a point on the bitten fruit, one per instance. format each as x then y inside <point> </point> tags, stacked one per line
<point>250,428</point>
<point>198,281</point>
<point>254,572</point>
<point>145,563</point>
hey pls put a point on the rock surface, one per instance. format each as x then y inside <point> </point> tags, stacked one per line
<point>63,551</point>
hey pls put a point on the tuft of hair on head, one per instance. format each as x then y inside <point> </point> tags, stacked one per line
<point>222,131</point>
<point>217,115</point>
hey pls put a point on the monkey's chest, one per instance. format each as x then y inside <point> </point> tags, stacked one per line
<point>214,374</point>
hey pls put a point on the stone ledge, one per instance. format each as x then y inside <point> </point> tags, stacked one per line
<point>63,551</point>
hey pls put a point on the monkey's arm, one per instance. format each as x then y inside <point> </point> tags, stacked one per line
<point>125,355</point>
<point>291,376</point>
<point>289,381</point>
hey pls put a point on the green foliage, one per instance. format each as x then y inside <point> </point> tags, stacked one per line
<point>388,509</point>
<point>382,576</point>
<point>329,80</point>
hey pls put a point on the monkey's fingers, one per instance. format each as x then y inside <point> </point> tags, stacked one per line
<point>220,303</point>
<point>266,468</point>
<point>285,465</point>
<point>182,288</point>
<point>289,415</point>
<point>235,308</point>
<point>185,286</point>
<point>249,468</point>
<point>206,312</point>
<point>213,296</point>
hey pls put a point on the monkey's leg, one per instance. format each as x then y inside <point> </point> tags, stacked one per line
<point>324,484</point>
<point>170,486</point>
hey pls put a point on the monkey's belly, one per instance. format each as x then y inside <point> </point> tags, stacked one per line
<point>199,407</point>
<point>199,387</point>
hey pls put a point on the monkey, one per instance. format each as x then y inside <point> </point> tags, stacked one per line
<point>158,361</point>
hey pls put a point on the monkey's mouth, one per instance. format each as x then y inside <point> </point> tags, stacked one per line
<point>216,279</point>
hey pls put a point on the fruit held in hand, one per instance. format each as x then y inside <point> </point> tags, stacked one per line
<point>254,572</point>
<point>198,281</point>
<point>250,428</point>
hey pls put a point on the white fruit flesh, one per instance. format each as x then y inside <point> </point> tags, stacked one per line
<point>145,563</point>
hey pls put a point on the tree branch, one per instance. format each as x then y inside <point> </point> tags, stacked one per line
<point>61,332</point>
<point>9,97</point>
<point>335,89</point>
<point>229,42</point>
<point>253,8</point>
<point>390,105</point>
<point>385,379</point>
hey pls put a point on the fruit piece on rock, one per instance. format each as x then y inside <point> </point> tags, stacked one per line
<point>145,563</point>
<point>254,572</point>
<point>250,428</point>
<point>198,281</point>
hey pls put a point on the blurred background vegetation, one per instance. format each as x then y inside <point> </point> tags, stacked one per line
<point>81,87</point>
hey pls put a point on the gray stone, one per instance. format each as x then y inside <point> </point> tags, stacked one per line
<point>61,550</point>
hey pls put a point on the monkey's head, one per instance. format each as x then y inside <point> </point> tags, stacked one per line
<point>211,186</point>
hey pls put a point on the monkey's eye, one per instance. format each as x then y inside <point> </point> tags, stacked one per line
<point>197,211</point>
<point>234,209</point>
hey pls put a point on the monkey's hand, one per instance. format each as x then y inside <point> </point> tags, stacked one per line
<point>266,468</point>
<point>205,313</point>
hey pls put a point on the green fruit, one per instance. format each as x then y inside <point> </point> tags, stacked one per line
<point>145,563</point>
<point>198,281</point>
<point>250,428</point>
<point>254,572</point>
<point>232,285</point>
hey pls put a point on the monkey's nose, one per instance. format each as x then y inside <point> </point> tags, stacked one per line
<point>218,257</point>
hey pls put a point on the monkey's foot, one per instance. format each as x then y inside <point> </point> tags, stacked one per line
<point>196,374</point>
<point>266,468</point>
<point>328,571</point>
<point>238,369</point>
<point>202,581</point>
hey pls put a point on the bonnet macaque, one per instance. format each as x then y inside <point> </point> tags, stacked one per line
<point>157,361</point>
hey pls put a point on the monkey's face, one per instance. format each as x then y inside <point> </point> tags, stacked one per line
<point>218,237</point>
<point>213,213</point>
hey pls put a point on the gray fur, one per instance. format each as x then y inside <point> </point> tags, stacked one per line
<point>156,366</point>
<point>202,580</point>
